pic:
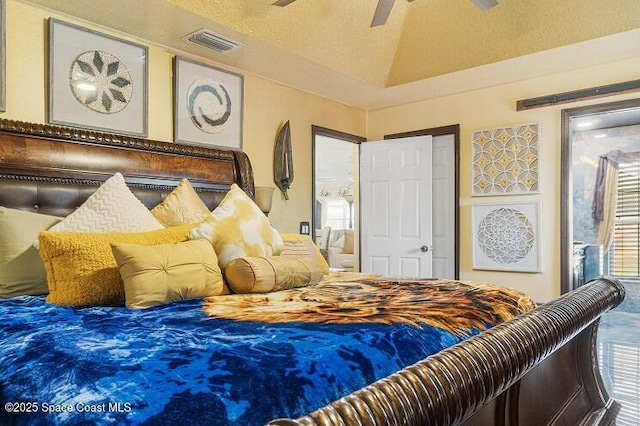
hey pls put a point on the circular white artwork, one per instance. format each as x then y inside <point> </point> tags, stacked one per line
<point>208,105</point>
<point>100,82</point>
<point>505,235</point>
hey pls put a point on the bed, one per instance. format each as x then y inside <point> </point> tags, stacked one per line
<point>521,365</point>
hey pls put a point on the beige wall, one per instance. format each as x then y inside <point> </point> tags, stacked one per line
<point>267,105</point>
<point>495,107</point>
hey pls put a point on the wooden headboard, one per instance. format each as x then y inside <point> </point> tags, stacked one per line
<point>53,170</point>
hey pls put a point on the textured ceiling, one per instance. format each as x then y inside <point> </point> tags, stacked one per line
<point>327,46</point>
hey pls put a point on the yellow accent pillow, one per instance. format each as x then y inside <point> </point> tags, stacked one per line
<point>183,205</point>
<point>81,270</point>
<point>237,228</point>
<point>265,274</point>
<point>21,269</point>
<point>296,245</point>
<point>168,272</point>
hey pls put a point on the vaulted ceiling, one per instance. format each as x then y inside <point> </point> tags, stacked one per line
<point>427,47</point>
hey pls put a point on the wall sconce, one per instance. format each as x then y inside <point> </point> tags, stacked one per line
<point>264,197</point>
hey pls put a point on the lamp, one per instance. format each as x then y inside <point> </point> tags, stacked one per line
<point>264,196</point>
<point>347,194</point>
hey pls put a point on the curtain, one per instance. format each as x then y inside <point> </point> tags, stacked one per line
<point>607,207</point>
<point>605,197</point>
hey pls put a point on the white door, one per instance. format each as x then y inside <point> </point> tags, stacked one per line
<point>395,206</point>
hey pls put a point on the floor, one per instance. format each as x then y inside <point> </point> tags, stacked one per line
<point>619,355</point>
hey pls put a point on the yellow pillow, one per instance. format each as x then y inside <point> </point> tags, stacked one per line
<point>168,272</point>
<point>265,274</point>
<point>183,205</point>
<point>237,228</point>
<point>21,269</point>
<point>296,245</point>
<point>81,270</point>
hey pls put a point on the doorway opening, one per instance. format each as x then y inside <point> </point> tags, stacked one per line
<point>335,206</point>
<point>446,196</point>
<point>600,197</point>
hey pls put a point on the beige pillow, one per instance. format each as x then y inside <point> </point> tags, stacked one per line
<point>183,205</point>
<point>21,269</point>
<point>348,242</point>
<point>112,208</point>
<point>168,272</point>
<point>237,228</point>
<point>296,245</point>
<point>81,269</point>
<point>265,274</point>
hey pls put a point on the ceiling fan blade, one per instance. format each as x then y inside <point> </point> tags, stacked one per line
<point>282,3</point>
<point>485,5</point>
<point>383,9</point>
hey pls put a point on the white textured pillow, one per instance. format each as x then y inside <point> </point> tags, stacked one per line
<point>112,208</point>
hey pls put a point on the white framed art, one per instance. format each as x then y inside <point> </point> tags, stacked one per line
<point>506,237</point>
<point>96,81</point>
<point>207,105</point>
<point>506,160</point>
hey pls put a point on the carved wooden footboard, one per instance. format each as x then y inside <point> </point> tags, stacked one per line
<point>537,369</point>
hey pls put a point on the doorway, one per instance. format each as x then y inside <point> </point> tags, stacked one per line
<point>446,196</point>
<point>600,199</point>
<point>336,206</point>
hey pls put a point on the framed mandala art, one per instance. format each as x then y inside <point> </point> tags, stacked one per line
<point>506,237</point>
<point>506,160</point>
<point>207,105</point>
<point>96,81</point>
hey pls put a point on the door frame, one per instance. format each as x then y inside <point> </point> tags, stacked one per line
<point>454,130</point>
<point>566,183</point>
<point>330,133</point>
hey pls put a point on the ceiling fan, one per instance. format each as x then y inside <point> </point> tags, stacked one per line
<point>383,9</point>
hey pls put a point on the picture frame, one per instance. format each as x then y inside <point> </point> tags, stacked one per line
<point>506,237</point>
<point>97,81</point>
<point>3,55</point>
<point>506,160</point>
<point>208,105</point>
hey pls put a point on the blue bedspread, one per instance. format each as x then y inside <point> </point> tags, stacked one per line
<point>176,364</point>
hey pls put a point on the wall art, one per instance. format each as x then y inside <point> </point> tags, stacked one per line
<point>207,105</point>
<point>96,81</point>
<point>506,237</point>
<point>3,55</point>
<point>506,160</point>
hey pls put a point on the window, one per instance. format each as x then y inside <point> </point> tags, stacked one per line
<point>624,259</point>
<point>337,213</point>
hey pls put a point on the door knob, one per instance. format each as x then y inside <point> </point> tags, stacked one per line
<point>424,249</point>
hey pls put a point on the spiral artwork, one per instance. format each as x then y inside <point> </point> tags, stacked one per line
<point>506,235</point>
<point>209,105</point>
<point>100,82</point>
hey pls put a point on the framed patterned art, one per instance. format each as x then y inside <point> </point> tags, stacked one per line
<point>506,160</point>
<point>3,55</point>
<point>96,81</point>
<point>506,237</point>
<point>207,105</point>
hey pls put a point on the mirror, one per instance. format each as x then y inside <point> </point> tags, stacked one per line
<point>600,232</point>
<point>335,203</point>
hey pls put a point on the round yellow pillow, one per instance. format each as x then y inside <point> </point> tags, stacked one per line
<point>272,273</point>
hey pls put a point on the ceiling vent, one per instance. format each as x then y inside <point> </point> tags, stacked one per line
<point>216,42</point>
<point>485,5</point>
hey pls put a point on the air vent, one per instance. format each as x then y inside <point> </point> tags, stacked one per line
<point>213,41</point>
<point>485,5</point>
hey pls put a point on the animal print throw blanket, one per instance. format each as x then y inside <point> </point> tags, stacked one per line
<point>230,360</point>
